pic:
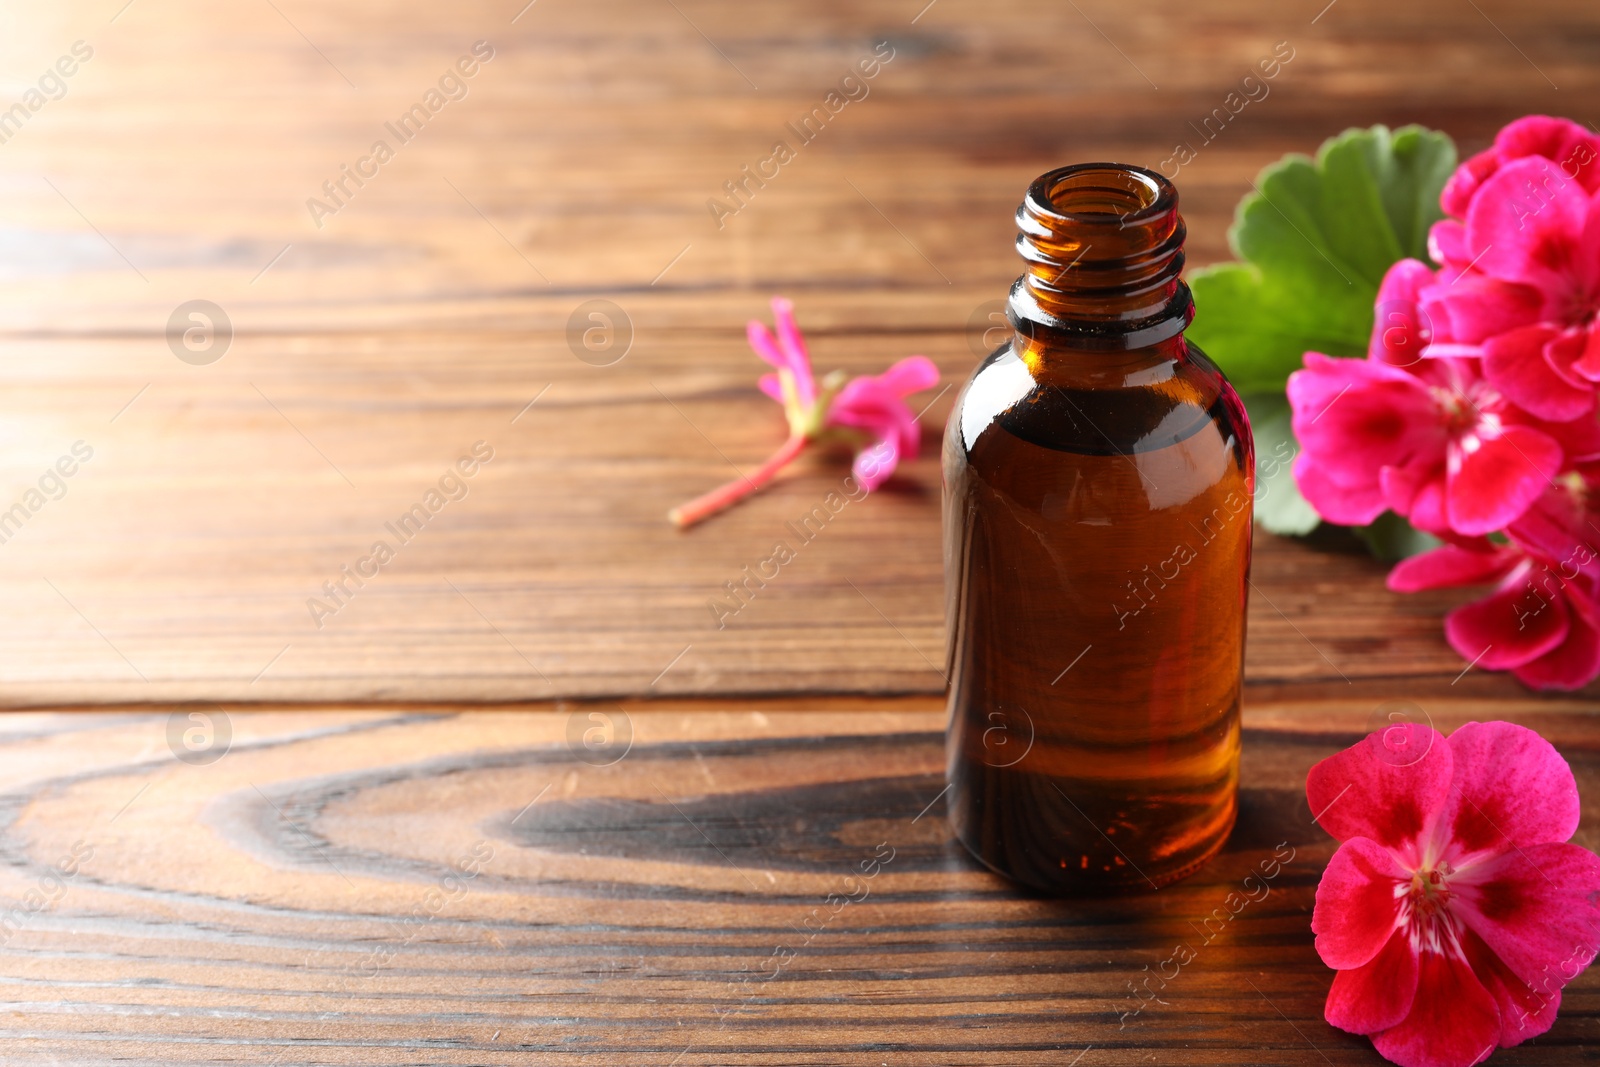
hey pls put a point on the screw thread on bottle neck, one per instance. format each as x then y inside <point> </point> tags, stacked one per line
<point>1103,248</point>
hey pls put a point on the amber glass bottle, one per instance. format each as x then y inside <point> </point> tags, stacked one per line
<point>1098,478</point>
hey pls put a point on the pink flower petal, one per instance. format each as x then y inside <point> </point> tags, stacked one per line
<point>1561,140</point>
<point>1563,352</point>
<point>1447,244</point>
<point>1353,417</point>
<point>1450,350</point>
<point>1362,414</point>
<point>762,342</point>
<point>1572,664</point>
<point>1357,911</point>
<point>1399,330</point>
<point>868,403</point>
<point>1524,1011</point>
<point>1453,1022</point>
<point>871,405</point>
<point>1449,565</point>
<point>1457,194</point>
<point>1401,485</point>
<point>1509,627</point>
<point>1354,505</point>
<point>1385,789</point>
<point>1535,909</point>
<point>1515,363</point>
<point>1428,509</point>
<point>910,375</point>
<point>1587,365</point>
<point>1579,439</point>
<point>1588,273</point>
<point>1492,480</point>
<point>1378,994</point>
<point>1472,308</point>
<point>1524,224</point>
<point>1511,789</point>
<point>770,385</point>
<point>876,420</point>
<point>1555,528</point>
<point>794,347</point>
<point>874,464</point>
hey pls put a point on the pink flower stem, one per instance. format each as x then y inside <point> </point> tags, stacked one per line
<point>708,504</point>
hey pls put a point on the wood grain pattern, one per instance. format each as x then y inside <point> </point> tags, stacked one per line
<point>363,887</point>
<point>431,309</point>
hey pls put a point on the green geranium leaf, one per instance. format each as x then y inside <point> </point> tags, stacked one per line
<point>1279,505</point>
<point>1391,538</point>
<point>1315,239</point>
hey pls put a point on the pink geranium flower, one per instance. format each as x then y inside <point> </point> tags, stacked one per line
<point>869,407</point>
<point>1542,622</point>
<point>1453,910</point>
<point>1524,291</point>
<point>1477,409</point>
<point>1558,140</point>
<point>1425,436</point>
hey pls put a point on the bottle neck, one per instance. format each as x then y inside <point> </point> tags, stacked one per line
<point>1103,248</point>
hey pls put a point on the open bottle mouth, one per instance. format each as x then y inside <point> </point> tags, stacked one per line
<point>1103,248</point>
<point>1101,194</point>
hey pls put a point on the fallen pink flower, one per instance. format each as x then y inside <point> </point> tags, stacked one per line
<point>1453,911</point>
<point>869,407</point>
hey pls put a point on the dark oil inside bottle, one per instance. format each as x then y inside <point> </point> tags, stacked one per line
<point>1098,525</point>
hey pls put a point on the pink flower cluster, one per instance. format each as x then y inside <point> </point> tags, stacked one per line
<point>1474,413</point>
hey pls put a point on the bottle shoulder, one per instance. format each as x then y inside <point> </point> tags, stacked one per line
<point>1098,406</point>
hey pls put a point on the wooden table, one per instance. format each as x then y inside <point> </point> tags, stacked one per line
<point>264,907</point>
<point>437,887</point>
